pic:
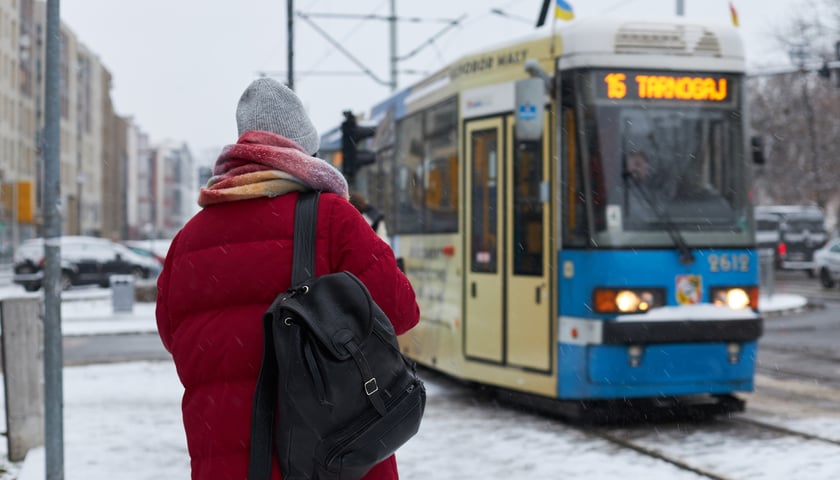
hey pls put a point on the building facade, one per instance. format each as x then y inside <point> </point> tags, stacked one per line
<point>114,182</point>
<point>174,188</point>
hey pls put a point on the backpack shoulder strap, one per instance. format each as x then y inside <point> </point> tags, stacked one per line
<point>265,395</point>
<point>303,252</point>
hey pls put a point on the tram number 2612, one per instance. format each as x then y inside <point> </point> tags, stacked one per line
<point>729,262</point>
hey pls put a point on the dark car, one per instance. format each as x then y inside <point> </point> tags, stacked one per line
<point>84,261</point>
<point>801,233</point>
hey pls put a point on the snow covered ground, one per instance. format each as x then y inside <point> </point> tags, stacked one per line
<point>124,421</point>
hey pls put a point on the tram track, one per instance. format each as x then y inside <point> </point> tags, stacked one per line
<point>648,440</point>
<point>656,454</point>
<point>783,430</point>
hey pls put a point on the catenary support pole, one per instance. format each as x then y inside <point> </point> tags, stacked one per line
<point>53,357</point>
<point>290,33</point>
<point>393,43</point>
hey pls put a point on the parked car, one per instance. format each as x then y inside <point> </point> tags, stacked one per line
<point>827,263</point>
<point>156,247</point>
<point>84,261</point>
<point>802,232</point>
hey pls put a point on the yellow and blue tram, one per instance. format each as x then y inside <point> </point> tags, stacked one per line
<point>574,213</point>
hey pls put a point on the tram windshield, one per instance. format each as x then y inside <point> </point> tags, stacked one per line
<point>659,159</point>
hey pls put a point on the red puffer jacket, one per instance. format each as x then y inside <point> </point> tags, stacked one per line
<point>222,272</point>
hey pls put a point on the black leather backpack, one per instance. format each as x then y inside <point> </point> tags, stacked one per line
<point>345,396</point>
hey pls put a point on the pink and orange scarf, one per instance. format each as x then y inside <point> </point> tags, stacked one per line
<point>264,164</point>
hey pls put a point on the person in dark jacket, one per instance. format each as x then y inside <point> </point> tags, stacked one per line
<point>371,214</point>
<point>228,263</point>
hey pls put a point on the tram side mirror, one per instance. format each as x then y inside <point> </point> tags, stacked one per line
<point>530,109</point>
<point>757,146</point>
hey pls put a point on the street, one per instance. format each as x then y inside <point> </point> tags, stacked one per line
<point>126,347</point>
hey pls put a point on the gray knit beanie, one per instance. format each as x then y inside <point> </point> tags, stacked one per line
<point>268,105</point>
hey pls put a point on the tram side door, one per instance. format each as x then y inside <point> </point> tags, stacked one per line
<point>484,321</point>
<point>528,287</point>
<point>508,303</point>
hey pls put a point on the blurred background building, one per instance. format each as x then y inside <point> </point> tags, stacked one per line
<point>115,181</point>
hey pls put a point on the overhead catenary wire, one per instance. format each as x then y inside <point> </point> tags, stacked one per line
<point>393,18</point>
<point>329,52</point>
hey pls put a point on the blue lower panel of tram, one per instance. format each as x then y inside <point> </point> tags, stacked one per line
<point>688,347</point>
<point>613,371</point>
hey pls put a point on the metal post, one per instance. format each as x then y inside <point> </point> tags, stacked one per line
<point>290,32</point>
<point>53,357</point>
<point>15,207</point>
<point>812,137</point>
<point>393,29</point>
<point>680,8</point>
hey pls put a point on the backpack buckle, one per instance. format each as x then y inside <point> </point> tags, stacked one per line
<point>371,387</point>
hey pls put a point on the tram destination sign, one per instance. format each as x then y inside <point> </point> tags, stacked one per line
<point>617,85</point>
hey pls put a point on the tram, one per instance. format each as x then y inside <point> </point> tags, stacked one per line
<point>573,210</point>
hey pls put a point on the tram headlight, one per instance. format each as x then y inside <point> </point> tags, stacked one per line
<point>737,298</point>
<point>627,300</point>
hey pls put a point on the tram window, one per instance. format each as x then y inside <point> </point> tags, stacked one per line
<point>427,171</point>
<point>409,176</point>
<point>442,119</point>
<point>485,201</point>
<point>381,186</point>
<point>441,169</point>
<point>528,209</point>
<point>442,192</point>
<point>574,199</point>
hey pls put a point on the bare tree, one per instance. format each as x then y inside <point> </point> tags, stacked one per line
<point>797,114</point>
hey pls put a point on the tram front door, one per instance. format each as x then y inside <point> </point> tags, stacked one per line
<point>508,303</point>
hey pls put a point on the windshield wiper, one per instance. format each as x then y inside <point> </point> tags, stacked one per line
<point>686,255</point>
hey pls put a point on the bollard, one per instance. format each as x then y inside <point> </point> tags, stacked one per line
<point>23,368</point>
<point>122,293</point>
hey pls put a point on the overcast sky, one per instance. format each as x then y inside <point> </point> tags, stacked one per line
<point>179,66</point>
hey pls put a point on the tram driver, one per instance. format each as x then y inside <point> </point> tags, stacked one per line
<point>641,190</point>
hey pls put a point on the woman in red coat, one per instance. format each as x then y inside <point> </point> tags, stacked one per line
<point>228,263</point>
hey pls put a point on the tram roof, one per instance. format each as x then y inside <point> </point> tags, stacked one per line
<point>591,41</point>
<point>673,35</point>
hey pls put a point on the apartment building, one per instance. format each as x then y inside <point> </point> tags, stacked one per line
<point>9,114</point>
<point>114,182</point>
<point>174,187</point>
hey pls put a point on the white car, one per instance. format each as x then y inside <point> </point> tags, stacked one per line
<point>827,263</point>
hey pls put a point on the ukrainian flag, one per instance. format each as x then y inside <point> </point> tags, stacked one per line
<point>563,10</point>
